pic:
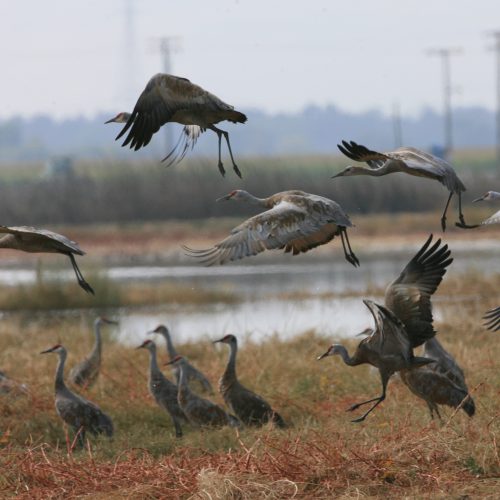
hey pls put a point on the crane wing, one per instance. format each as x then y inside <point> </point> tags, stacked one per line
<point>494,219</point>
<point>357,152</point>
<point>409,295</point>
<point>492,318</point>
<point>186,141</point>
<point>286,225</point>
<point>163,97</point>
<point>65,243</point>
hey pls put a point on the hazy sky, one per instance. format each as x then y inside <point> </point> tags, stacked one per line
<point>73,57</point>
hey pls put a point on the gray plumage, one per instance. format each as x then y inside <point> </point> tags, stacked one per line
<point>82,415</point>
<point>86,372</point>
<point>410,161</point>
<point>11,388</point>
<point>294,221</point>
<point>405,322</point>
<point>249,407</point>
<point>199,411</point>
<point>441,382</point>
<point>169,98</point>
<point>30,239</point>
<point>194,377</point>
<point>163,391</point>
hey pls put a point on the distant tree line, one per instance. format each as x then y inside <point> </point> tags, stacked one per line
<point>116,192</point>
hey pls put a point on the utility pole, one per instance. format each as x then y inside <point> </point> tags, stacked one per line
<point>167,45</point>
<point>496,48</point>
<point>445,54</point>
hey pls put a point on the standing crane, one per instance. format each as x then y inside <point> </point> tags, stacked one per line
<point>249,407</point>
<point>163,391</point>
<point>410,161</point>
<point>30,239</point>
<point>199,411</point>
<point>86,372</point>
<point>82,415</point>
<point>169,98</point>
<point>441,382</point>
<point>294,220</point>
<point>405,322</point>
<point>193,375</point>
<point>11,388</point>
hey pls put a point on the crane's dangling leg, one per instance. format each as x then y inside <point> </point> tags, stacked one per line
<point>349,255</point>
<point>79,276</point>
<point>235,168</point>
<point>443,217</point>
<point>385,379</point>
<point>462,224</point>
<point>219,136</point>
<point>349,247</point>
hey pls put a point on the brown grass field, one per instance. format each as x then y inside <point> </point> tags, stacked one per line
<point>398,452</point>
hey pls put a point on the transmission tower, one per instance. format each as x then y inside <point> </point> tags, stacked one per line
<point>496,48</point>
<point>445,54</point>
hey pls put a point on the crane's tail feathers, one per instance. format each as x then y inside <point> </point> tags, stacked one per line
<point>492,318</point>
<point>236,116</point>
<point>186,141</point>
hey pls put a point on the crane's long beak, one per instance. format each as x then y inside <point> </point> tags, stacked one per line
<point>46,351</point>
<point>110,321</point>
<point>224,198</point>
<point>324,355</point>
<point>478,199</point>
<point>215,341</point>
<point>336,175</point>
<point>112,120</point>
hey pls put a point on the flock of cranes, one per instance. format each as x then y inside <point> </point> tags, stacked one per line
<point>293,221</point>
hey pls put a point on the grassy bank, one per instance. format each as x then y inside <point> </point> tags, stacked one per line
<point>397,452</point>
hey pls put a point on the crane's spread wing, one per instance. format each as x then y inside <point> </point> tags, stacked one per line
<point>186,141</point>
<point>65,243</point>
<point>409,295</point>
<point>164,96</point>
<point>492,318</point>
<point>286,225</point>
<point>388,337</point>
<point>357,152</point>
<point>494,219</point>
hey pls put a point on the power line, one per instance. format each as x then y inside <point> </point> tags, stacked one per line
<point>445,54</point>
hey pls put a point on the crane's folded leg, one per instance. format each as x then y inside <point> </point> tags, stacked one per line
<point>443,217</point>
<point>235,168</point>
<point>349,254</point>
<point>462,224</point>
<point>385,380</point>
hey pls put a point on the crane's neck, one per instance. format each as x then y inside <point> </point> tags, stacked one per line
<point>386,168</point>
<point>253,200</point>
<point>97,349</point>
<point>60,385</point>
<point>230,372</point>
<point>342,352</point>
<point>183,390</point>
<point>170,345</point>
<point>153,362</point>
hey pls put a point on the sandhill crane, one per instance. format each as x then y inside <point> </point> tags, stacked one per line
<point>169,98</point>
<point>76,411</point>
<point>30,239</point>
<point>199,411</point>
<point>193,375</point>
<point>492,318</point>
<point>493,219</point>
<point>405,321</point>
<point>250,408</point>
<point>86,372</point>
<point>441,382</point>
<point>409,160</point>
<point>295,221</point>
<point>11,388</point>
<point>163,391</point>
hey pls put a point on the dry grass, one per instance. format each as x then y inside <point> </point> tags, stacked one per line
<point>398,452</point>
